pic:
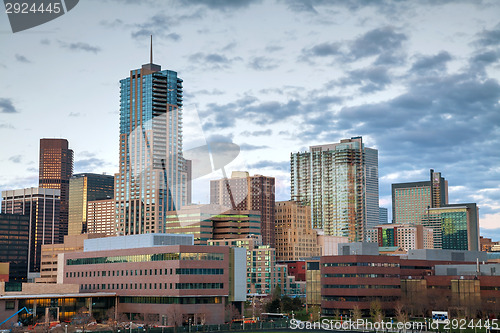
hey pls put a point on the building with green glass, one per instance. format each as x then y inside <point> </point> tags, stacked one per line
<point>455,227</point>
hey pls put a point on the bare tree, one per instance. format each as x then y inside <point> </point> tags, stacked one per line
<point>401,315</point>
<point>231,312</point>
<point>356,313</point>
<point>376,311</point>
<point>336,314</point>
<point>83,318</point>
<point>175,317</point>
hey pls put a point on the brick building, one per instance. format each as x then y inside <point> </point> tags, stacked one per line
<point>168,284</point>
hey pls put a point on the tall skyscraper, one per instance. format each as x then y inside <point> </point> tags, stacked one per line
<point>340,183</point>
<point>83,188</point>
<point>153,175</point>
<point>55,170</point>
<point>244,192</point>
<point>41,205</point>
<point>411,200</point>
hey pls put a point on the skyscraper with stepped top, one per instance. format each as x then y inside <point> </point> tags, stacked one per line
<point>153,175</point>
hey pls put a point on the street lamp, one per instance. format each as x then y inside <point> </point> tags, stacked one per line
<point>243,322</point>
<point>66,328</point>
<point>130,327</point>
<point>189,325</point>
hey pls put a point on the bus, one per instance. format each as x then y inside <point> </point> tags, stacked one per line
<point>440,316</point>
<point>272,316</point>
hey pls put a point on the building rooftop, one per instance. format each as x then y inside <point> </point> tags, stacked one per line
<point>136,241</point>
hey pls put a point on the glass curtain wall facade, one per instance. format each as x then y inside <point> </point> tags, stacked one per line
<point>14,245</point>
<point>84,188</point>
<point>41,206</point>
<point>55,170</point>
<point>455,227</point>
<point>153,177</point>
<point>340,183</point>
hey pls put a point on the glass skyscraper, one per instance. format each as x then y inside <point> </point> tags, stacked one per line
<point>55,170</point>
<point>340,183</point>
<point>153,177</point>
<point>83,188</point>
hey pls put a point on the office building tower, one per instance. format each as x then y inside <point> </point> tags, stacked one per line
<point>14,245</point>
<point>153,175</point>
<point>41,205</point>
<point>101,217</point>
<point>245,192</point>
<point>383,215</point>
<point>455,226</point>
<point>340,183</point>
<point>295,237</point>
<point>55,170</point>
<point>83,188</point>
<point>411,200</point>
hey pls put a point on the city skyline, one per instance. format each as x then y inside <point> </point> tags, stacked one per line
<point>418,82</point>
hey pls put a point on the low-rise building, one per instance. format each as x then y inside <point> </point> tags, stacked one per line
<point>423,280</point>
<point>169,284</point>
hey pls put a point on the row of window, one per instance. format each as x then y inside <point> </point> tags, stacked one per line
<point>370,264</point>
<point>361,286</point>
<point>125,286</point>
<point>362,275</point>
<point>145,258</point>
<point>156,271</point>
<point>151,286</point>
<point>171,300</point>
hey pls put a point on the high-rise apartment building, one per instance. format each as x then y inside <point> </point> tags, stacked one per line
<point>83,188</point>
<point>295,237</point>
<point>153,175</point>
<point>411,200</point>
<point>41,205</point>
<point>55,170</point>
<point>340,183</point>
<point>245,192</point>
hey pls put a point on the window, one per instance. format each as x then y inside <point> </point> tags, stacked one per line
<point>10,305</point>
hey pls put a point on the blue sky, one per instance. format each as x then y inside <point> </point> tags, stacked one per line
<point>418,80</point>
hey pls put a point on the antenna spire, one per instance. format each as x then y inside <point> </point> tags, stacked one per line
<point>151,51</point>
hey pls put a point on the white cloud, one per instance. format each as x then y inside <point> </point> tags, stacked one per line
<point>490,221</point>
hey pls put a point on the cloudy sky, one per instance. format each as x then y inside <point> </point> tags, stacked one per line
<point>418,80</point>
